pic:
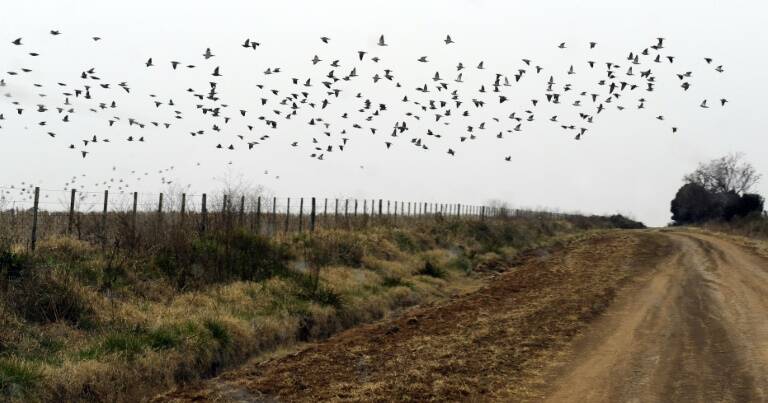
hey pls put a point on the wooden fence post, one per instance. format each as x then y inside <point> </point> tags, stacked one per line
<point>71,212</point>
<point>104,220</point>
<point>274,215</point>
<point>287,214</point>
<point>204,213</point>
<point>183,206</point>
<point>224,207</point>
<point>312,215</point>
<point>134,212</point>
<point>336,213</point>
<point>301,215</point>
<point>258,215</point>
<point>160,212</point>
<point>242,211</point>
<point>34,218</point>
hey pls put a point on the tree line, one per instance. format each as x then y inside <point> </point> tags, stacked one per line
<point>718,190</point>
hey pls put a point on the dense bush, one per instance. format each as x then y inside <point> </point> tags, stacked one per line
<point>748,203</point>
<point>11,264</point>
<point>221,257</point>
<point>431,269</point>
<point>619,221</point>
<point>17,378</point>
<point>42,295</point>
<point>336,247</point>
<point>695,204</point>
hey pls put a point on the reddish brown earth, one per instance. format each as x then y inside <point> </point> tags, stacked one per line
<point>618,317</point>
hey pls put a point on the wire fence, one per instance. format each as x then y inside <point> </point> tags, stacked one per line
<point>30,214</point>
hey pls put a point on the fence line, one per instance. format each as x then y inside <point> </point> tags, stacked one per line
<point>99,217</point>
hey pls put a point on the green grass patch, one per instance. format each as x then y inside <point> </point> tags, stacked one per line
<point>164,338</point>
<point>460,263</point>
<point>391,282</point>
<point>218,331</point>
<point>18,379</point>
<point>130,343</point>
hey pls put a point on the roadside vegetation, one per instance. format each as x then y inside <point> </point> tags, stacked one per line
<point>717,195</point>
<point>84,322</point>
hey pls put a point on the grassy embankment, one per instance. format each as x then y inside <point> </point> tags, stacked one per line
<point>78,322</point>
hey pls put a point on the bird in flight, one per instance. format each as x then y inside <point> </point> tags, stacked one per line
<point>445,114</point>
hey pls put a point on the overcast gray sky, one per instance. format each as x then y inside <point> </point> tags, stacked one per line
<point>628,161</point>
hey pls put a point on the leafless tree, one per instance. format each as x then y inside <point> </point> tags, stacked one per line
<point>725,174</point>
<point>502,206</point>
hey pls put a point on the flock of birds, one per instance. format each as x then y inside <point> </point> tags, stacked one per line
<point>445,109</point>
<point>117,180</point>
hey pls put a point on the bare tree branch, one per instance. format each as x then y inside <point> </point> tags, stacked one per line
<point>725,174</point>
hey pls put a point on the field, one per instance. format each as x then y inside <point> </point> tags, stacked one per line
<point>652,315</point>
<point>149,307</point>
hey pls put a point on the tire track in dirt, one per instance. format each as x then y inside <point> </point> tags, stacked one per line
<point>695,331</point>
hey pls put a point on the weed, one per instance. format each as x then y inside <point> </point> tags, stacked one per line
<point>310,290</point>
<point>163,338</point>
<point>18,379</point>
<point>128,344</point>
<point>390,282</point>
<point>12,264</point>
<point>461,263</point>
<point>431,270</point>
<point>47,296</point>
<point>218,331</point>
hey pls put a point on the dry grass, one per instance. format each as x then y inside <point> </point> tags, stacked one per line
<point>82,323</point>
<point>488,345</point>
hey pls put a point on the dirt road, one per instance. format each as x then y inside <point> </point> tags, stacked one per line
<point>696,331</point>
<point>619,317</point>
